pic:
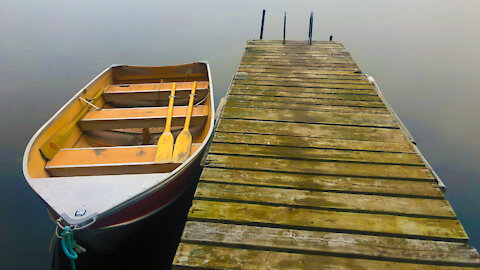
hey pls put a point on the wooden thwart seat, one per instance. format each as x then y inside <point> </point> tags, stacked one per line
<point>108,161</point>
<point>139,117</point>
<point>127,93</point>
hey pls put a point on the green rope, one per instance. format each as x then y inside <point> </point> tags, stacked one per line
<point>68,245</point>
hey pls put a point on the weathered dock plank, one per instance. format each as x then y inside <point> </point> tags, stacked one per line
<point>303,107</point>
<point>309,169</point>
<point>293,152</point>
<point>217,257</point>
<point>324,220</point>
<point>326,200</point>
<point>311,130</point>
<point>366,246</point>
<point>345,184</point>
<point>316,143</point>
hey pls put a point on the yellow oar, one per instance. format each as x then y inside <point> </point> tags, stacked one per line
<point>165,142</point>
<point>183,144</point>
<point>50,148</point>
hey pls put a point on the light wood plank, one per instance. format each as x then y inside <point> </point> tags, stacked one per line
<point>108,161</point>
<point>347,184</point>
<point>319,167</point>
<point>326,200</point>
<point>312,130</point>
<point>323,220</point>
<point>333,244</point>
<point>334,118</point>
<point>140,117</point>
<point>213,257</point>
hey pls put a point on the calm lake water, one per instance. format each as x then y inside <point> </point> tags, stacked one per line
<point>424,55</point>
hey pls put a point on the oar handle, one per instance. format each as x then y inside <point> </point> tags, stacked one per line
<point>190,106</point>
<point>168,124</point>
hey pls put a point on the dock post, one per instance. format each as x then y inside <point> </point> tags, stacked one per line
<point>263,21</point>
<point>310,28</point>
<point>284,25</point>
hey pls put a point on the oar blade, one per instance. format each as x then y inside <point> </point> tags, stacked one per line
<point>164,148</point>
<point>183,147</point>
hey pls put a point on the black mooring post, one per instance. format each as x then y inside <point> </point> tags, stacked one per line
<point>310,28</point>
<point>263,21</point>
<point>331,38</point>
<point>284,25</point>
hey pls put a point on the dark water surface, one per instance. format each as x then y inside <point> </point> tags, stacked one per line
<point>425,56</point>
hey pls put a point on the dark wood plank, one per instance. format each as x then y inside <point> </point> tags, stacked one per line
<point>319,167</point>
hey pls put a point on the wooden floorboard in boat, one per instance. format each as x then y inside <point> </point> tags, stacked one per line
<point>308,169</point>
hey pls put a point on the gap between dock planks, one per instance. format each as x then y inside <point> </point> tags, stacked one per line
<point>308,169</point>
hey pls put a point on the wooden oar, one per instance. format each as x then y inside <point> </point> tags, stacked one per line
<point>50,148</point>
<point>165,142</point>
<point>184,139</point>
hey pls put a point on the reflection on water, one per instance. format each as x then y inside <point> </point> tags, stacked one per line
<point>424,55</point>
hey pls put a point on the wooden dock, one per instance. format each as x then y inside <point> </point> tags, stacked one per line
<point>309,169</point>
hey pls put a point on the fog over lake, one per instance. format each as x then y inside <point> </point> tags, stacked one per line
<point>424,55</point>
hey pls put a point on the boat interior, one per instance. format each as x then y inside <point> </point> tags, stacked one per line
<point>112,126</point>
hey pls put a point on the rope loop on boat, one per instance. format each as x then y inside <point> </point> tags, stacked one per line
<point>68,246</point>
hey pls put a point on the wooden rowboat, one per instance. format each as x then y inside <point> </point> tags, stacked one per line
<point>94,162</point>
